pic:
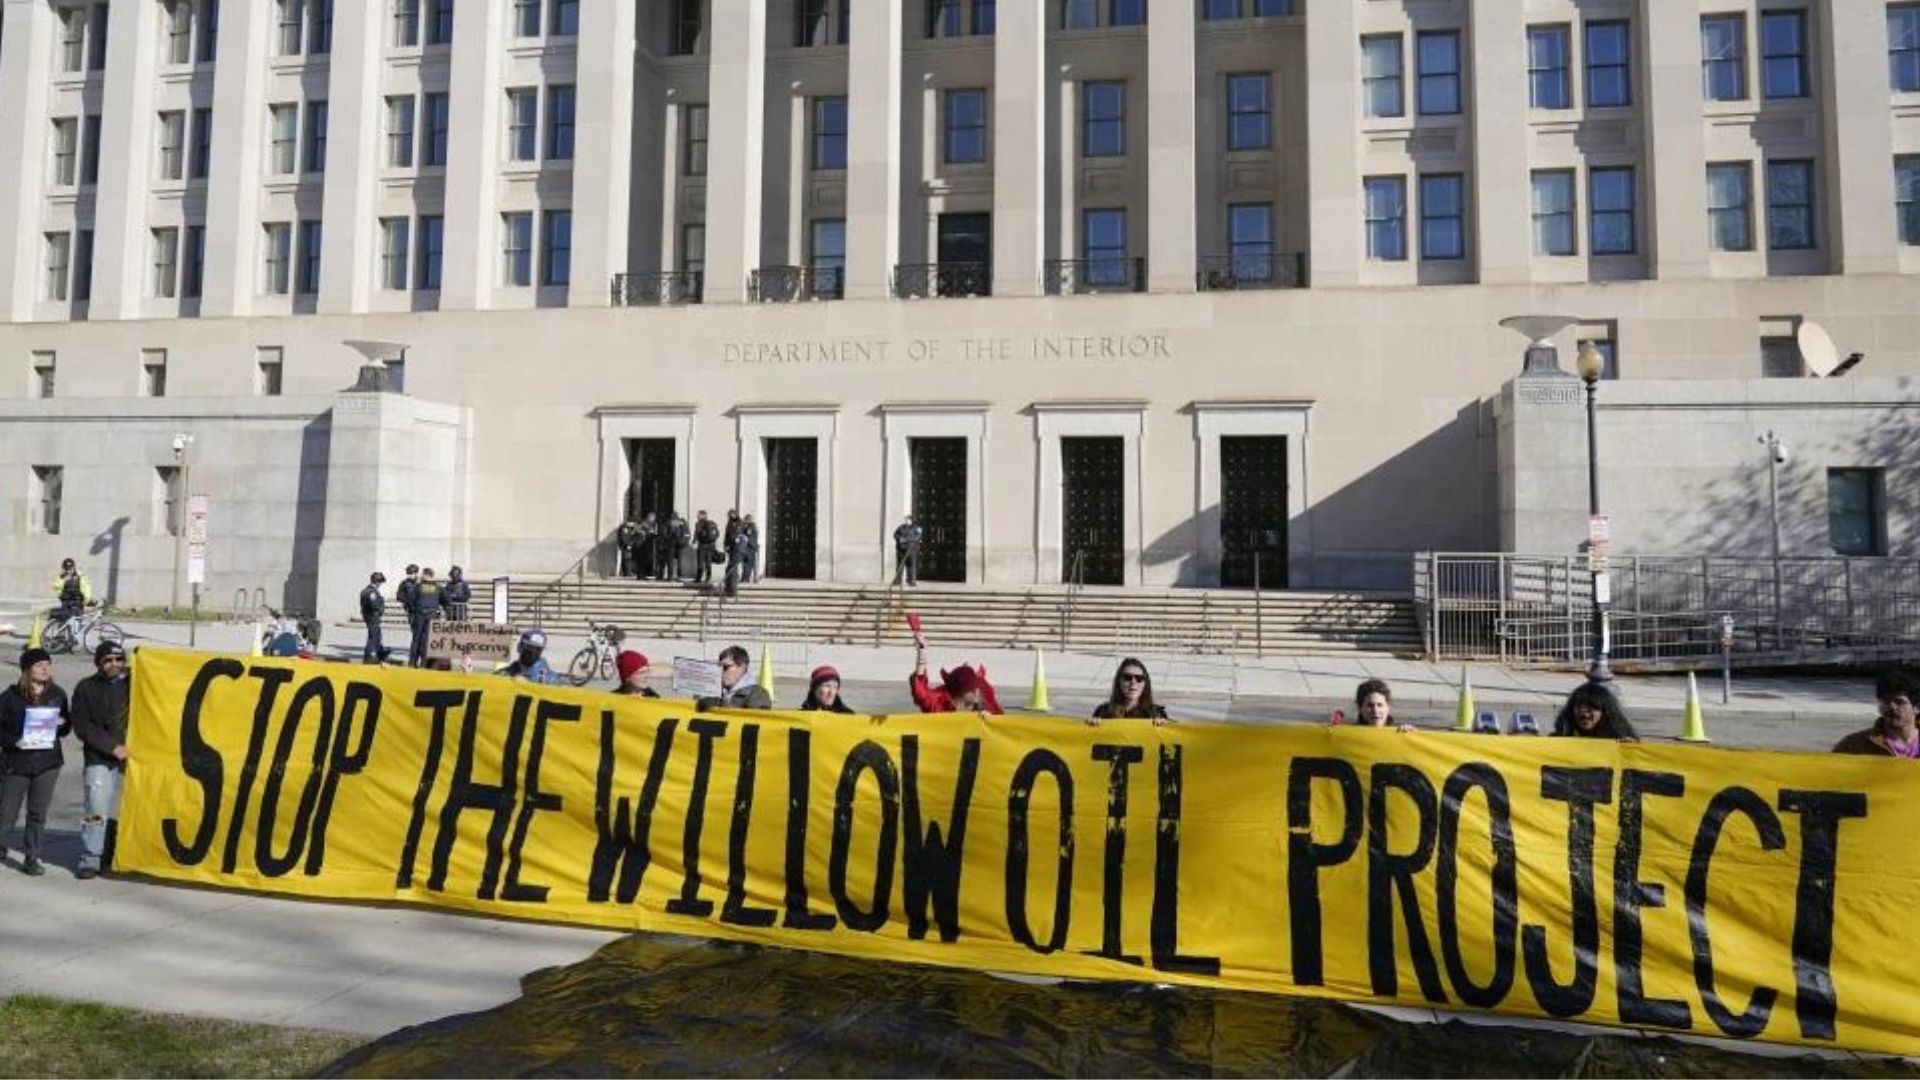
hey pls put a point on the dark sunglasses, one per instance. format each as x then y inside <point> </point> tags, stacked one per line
<point>1133,676</point>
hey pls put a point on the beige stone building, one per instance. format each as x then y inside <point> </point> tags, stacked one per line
<point>1146,287</point>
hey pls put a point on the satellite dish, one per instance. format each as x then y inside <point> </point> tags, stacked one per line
<point>1816,349</point>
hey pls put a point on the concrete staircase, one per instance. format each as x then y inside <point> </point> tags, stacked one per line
<point>1092,619</point>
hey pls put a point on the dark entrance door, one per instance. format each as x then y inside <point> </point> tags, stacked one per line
<point>650,464</point>
<point>940,506</point>
<point>1253,510</point>
<point>965,254</point>
<point>1094,505</point>
<point>792,488</point>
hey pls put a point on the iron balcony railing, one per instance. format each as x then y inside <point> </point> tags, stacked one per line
<point>657,289</point>
<point>787,284</point>
<point>1279,270</point>
<point>919,281</point>
<point>1124,274</point>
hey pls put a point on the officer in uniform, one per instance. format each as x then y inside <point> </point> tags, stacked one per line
<point>627,541</point>
<point>906,553</point>
<point>408,591</point>
<point>426,608</point>
<point>373,606</point>
<point>676,533</point>
<point>457,595</point>
<point>645,551</point>
<point>706,548</point>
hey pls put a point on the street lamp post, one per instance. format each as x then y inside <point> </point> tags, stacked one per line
<point>1590,366</point>
<point>1776,457</point>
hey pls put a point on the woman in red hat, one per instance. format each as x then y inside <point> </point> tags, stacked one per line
<point>823,692</point>
<point>964,689</point>
<point>635,674</point>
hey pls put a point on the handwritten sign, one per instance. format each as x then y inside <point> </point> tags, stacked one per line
<point>480,640</point>
<point>694,678</point>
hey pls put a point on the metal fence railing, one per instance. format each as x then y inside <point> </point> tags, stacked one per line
<point>1667,610</point>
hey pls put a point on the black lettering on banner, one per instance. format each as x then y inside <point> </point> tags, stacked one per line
<point>271,680</point>
<point>1503,876</point>
<point>1165,924</point>
<point>1019,803</point>
<point>1630,895</point>
<point>868,756</point>
<point>625,830</point>
<point>320,692</point>
<point>438,702</point>
<point>735,910</point>
<point>1814,1002</point>
<point>1112,877</point>
<point>464,793</point>
<point>1581,790</point>
<point>1390,875</point>
<point>200,761</point>
<point>534,801</point>
<point>799,779</point>
<point>1305,859</point>
<point>689,901</point>
<point>361,701</point>
<point>1733,800</point>
<point>932,862</point>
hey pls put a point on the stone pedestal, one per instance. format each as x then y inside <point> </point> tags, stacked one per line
<point>1541,419</point>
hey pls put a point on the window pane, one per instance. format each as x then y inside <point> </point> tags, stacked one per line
<point>1248,126</point>
<point>1380,75</point>
<point>1386,208</point>
<point>1790,205</point>
<point>1548,84</point>
<point>1853,511</point>
<point>1439,59</point>
<point>1609,67</point>
<point>1612,228</point>
<point>1080,14</point>
<point>1553,230</point>
<point>1729,201</point>
<point>1442,224</point>
<point>1723,74</point>
<point>1129,12</point>
<point>1783,51</point>
<point>1906,189</point>
<point>1903,45</point>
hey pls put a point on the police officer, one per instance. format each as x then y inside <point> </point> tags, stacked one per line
<point>408,591</point>
<point>644,547</point>
<point>906,553</point>
<point>72,589</point>
<point>706,548</point>
<point>457,594</point>
<point>373,607</point>
<point>752,532</point>
<point>426,608</point>
<point>736,562</point>
<point>627,543</point>
<point>677,536</point>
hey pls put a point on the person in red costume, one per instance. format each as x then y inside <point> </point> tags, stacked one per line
<point>964,689</point>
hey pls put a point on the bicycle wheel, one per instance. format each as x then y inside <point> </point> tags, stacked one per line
<point>585,665</point>
<point>101,631</point>
<point>58,638</point>
<point>607,672</point>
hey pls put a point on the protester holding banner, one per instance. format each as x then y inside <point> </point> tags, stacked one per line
<point>530,662</point>
<point>100,704</point>
<point>1131,697</point>
<point>34,717</point>
<point>1592,712</point>
<point>1373,702</point>
<point>823,692</point>
<point>1895,733</point>
<point>635,674</point>
<point>735,691</point>
<point>964,689</point>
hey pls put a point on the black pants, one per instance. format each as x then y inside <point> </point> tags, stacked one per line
<point>37,792</point>
<point>417,651</point>
<point>703,563</point>
<point>906,564</point>
<point>733,577</point>
<point>376,650</point>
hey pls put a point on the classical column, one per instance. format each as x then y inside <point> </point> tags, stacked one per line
<point>26,81</point>
<point>233,184</point>
<point>1333,140</point>
<point>355,124</point>
<point>1171,184</point>
<point>1502,183</point>
<point>873,149</point>
<point>1857,103</point>
<point>127,127</point>
<point>470,265</point>
<point>603,164</point>
<point>1019,148</point>
<point>736,104</point>
<point>1675,138</point>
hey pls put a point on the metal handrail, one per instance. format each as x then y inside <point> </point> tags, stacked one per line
<point>537,607</point>
<point>786,284</point>
<point>920,281</point>
<point>1275,270</point>
<point>658,289</point>
<point>1076,583</point>
<point>1121,274</point>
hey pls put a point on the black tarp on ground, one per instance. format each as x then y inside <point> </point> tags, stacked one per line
<point>666,1006</point>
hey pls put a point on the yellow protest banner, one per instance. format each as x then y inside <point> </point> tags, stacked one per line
<point>1756,896</point>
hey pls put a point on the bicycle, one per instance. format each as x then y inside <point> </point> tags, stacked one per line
<point>306,631</point>
<point>85,631</point>
<point>596,657</point>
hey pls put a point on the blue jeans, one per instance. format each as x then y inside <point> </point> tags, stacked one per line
<point>102,804</point>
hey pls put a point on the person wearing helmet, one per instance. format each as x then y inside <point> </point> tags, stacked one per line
<point>456,594</point>
<point>530,663</point>
<point>373,608</point>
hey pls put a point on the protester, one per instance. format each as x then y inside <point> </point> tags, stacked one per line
<point>457,594</point>
<point>100,722</point>
<point>823,692</point>
<point>530,662</point>
<point>635,675</point>
<point>906,553</point>
<point>1373,703</point>
<point>1896,732</point>
<point>735,691</point>
<point>706,551</point>
<point>72,589</point>
<point>1131,697</point>
<point>427,598</point>
<point>1592,712</point>
<point>373,607</point>
<point>964,689</point>
<point>34,717</point>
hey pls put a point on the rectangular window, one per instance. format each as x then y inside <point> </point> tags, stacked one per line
<point>166,263</point>
<point>1127,12</point>
<point>292,18</point>
<point>565,19</point>
<point>1380,80</point>
<point>1443,217</point>
<point>44,490</point>
<point>810,23</point>
<point>983,17</point>
<point>432,236</point>
<point>1856,522</point>
<point>307,281</point>
<point>316,155</point>
<point>523,124</point>
<point>394,253</point>
<point>687,27</point>
<point>556,247</point>
<point>97,38</point>
<point>1609,65</point>
<point>439,22</point>
<point>1250,241</point>
<point>943,18</point>
<point>1249,112</point>
<point>41,386</point>
<point>1903,47</point>
<point>526,18</point>
<point>1906,197</point>
<point>966,139</point>
<point>1104,128</point>
<point>400,132</point>
<point>276,267</point>
<point>66,151</point>
<point>59,266</point>
<point>1783,54</point>
<point>1610,194</point>
<point>433,137</point>
<point>200,155</point>
<point>693,248</point>
<point>90,150</point>
<point>172,130</point>
<point>1386,208</point>
<point>193,271</point>
<point>516,249</point>
<point>1730,206</point>
<point>827,254</point>
<point>1790,205</point>
<point>73,39</point>
<point>269,365</point>
<point>1549,78</point>
<point>1080,14</point>
<point>830,133</point>
<point>1553,213</point>
<point>406,23</point>
<point>83,265</point>
<point>695,154</point>
<point>1103,244</point>
<point>1723,57</point>
<point>153,373</point>
<point>285,122</point>
<point>167,500</point>
<point>560,123</point>
<point>320,34</point>
<point>209,44</point>
<point>179,32</point>
<point>1438,55</point>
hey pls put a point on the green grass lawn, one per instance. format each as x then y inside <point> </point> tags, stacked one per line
<point>47,1037</point>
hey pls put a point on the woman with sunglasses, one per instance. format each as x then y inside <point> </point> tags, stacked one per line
<point>1131,697</point>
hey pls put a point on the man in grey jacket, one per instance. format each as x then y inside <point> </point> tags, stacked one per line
<point>735,691</point>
